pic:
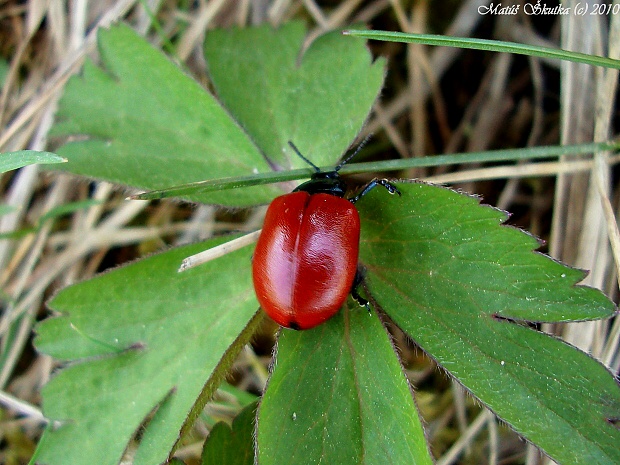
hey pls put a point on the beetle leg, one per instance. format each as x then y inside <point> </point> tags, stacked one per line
<point>391,188</point>
<point>359,277</point>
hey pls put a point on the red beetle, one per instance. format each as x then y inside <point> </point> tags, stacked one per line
<point>305,262</point>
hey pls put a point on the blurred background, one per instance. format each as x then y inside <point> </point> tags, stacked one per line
<point>436,100</point>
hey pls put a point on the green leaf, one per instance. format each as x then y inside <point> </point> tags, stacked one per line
<point>144,123</point>
<point>318,100</point>
<point>13,160</point>
<point>232,446</point>
<point>338,395</point>
<point>142,338</point>
<point>452,277</point>
<point>485,44</point>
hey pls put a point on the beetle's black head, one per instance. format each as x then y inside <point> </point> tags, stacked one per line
<point>324,182</point>
<point>321,182</point>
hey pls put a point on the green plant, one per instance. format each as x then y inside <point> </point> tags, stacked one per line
<point>13,160</point>
<point>149,346</point>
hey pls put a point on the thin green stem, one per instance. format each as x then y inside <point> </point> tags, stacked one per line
<point>485,44</point>
<point>381,166</point>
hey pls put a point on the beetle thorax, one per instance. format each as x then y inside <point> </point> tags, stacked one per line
<point>327,182</point>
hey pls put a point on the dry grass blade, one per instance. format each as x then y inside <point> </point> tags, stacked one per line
<point>219,251</point>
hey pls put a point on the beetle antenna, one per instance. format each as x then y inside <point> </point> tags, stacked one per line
<point>316,168</point>
<point>357,150</point>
